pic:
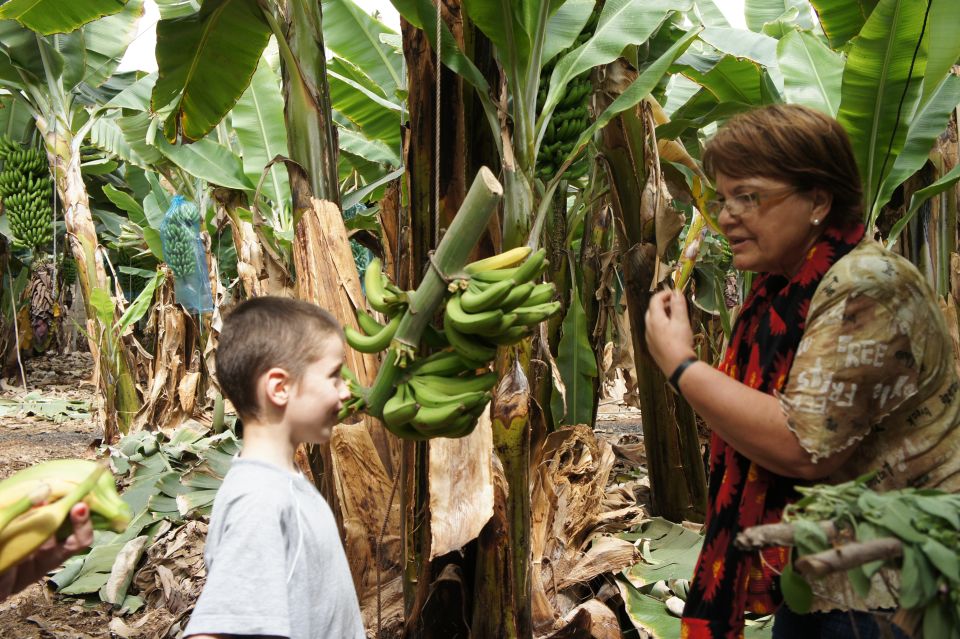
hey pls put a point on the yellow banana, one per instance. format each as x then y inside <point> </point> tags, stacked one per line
<point>60,477</point>
<point>27,532</point>
<point>501,260</point>
<point>22,505</point>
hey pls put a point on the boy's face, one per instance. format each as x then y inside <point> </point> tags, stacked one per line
<point>318,396</point>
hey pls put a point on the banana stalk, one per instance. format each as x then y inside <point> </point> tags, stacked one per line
<point>691,249</point>
<point>510,416</point>
<point>449,259</point>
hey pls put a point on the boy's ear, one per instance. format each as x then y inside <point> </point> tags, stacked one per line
<point>276,386</point>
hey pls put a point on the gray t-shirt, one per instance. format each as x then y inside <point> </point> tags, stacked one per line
<point>275,564</point>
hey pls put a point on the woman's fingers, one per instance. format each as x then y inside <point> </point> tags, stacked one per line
<point>82,535</point>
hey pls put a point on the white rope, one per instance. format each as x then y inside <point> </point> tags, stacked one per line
<point>53,194</point>
<point>436,143</point>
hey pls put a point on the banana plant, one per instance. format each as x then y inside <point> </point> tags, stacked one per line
<point>55,77</point>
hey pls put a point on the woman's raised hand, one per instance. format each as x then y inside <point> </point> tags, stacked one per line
<point>668,332</point>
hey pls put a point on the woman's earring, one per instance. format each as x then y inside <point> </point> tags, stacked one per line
<point>816,221</point>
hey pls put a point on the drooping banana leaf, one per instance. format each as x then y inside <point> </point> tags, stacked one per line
<point>47,17</point>
<point>352,34</point>
<point>731,80</point>
<point>638,89</point>
<point>622,22</point>
<point>812,72</point>
<point>258,122</point>
<point>564,26</point>
<point>842,19</point>
<point>372,150</point>
<point>378,118</point>
<point>137,95</point>
<point>16,122</point>
<point>578,367</point>
<point>126,138</point>
<point>881,87</point>
<point>21,48</point>
<point>742,43</point>
<point>919,198</point>
<point>207,160</point>
<point>106,40</point>
<point>192,54</point>
<point>926,126</point>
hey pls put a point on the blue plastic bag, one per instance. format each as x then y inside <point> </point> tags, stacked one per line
<point>184,252</point>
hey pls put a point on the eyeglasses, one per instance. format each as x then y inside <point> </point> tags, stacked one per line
<point>748,202</point>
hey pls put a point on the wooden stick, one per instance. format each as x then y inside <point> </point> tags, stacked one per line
<point>848,556</point>
<point>776,535</point>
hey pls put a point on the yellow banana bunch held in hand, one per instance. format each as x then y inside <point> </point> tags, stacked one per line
<point>35,503</point>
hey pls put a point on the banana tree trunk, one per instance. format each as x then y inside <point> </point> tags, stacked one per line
<point>116,382</point>
<point>677,475</point>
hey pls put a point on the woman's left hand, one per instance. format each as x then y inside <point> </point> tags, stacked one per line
<point>668,332</point>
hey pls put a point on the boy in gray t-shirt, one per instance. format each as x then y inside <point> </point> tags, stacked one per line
<point>275,564</point>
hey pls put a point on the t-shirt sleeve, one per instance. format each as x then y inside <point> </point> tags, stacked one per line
<point>245,592</point>
<point>855,365</point>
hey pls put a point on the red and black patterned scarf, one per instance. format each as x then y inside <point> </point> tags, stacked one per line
<point>728,581</point>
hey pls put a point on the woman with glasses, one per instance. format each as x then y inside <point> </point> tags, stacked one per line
<point>839,364</point>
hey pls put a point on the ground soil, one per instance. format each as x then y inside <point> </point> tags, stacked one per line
<point>37,612</point>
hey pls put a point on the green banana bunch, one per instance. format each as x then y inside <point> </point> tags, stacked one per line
<point>35,502</point>
<point>570,117</point>
<point>27,192</point>
<point>497,304</point>
<point>180,231</point>
<point>442,396</point>
<point>381,293</point>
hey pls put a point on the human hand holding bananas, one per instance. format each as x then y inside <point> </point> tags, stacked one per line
<point>493,302</point>
<point>35,505</point>
<point>668,334</point>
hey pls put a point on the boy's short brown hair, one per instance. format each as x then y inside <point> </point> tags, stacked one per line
<point>264,333</point>
<point>795,144</point>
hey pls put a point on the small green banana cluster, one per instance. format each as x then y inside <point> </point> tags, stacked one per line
<point>439,396</point>
<point>35,503</point>
<point>571,116</point>
<point>357,401</point>
<point>497,304</point>
<point>179,232</point>
<point>26,190</point>
<point>68,270</point>
<point>384,297</point>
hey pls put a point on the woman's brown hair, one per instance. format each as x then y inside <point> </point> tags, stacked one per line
<point>795,144</point>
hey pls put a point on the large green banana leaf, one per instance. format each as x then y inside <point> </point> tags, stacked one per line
<point>622,22</point>
<point>177,8</point>
<point>710,14</point>
<point>944,49</point>
<point>881,87</point>
<point>755,47</point>
<point>136,96</point>
<point>355,36</point>
<point>577,366</point>
<point>842,19</point>
<point>731,80</point>
<point>502,22</point>
<point>110,135</point>
<point>258,121</point>
<point>192,55</point>
<point>812,72</point>
<point>928,124</point>
<point>760,12</point>
<point>47,17</point>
